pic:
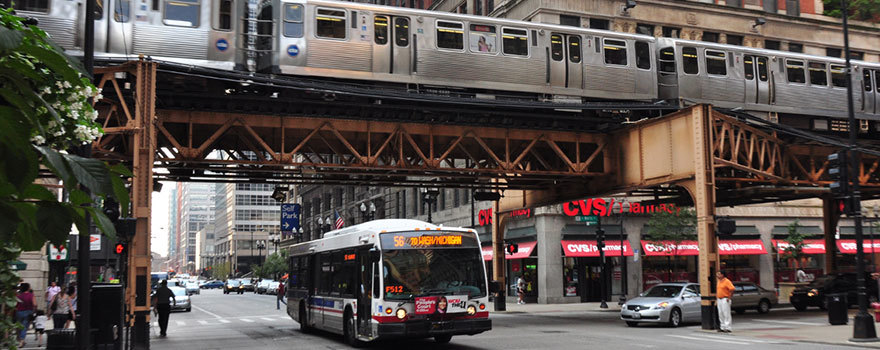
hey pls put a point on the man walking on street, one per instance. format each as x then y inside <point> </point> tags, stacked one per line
<point>723,291</point>
<point>280,295</point>
<point>163,307</point>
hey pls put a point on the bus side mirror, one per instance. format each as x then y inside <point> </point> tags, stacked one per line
<point>495,287</point>
<point>375,255</point>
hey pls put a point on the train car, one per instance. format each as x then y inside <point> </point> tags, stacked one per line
<point>345,40</point>
<point>196,32</point>
<point>392,278</point>
<point>761,80</point>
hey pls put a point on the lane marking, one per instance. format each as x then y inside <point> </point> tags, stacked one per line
<point>708,339</point>
<point>789,322</point>
<point>181,323</point>
<point>203,322</point>
<point>207,312</point>
<point>726,338</point>
<point>223,321</point>
<point>247,320</point>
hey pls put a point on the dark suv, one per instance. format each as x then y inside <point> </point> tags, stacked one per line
<point>815,294</point>
<point>233,286</point>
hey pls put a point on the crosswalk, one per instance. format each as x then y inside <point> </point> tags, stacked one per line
<point>724,339</point>
<point>224,321</point>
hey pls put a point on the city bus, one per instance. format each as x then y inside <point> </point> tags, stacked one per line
<point>394,278</point>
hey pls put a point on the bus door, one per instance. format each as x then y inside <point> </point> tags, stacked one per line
<point>321,285</point>
<point>364,291</point>
<point>755,72</point>
<point>391,47</point>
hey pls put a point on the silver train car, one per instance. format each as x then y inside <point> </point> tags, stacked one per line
<point>195,32</point>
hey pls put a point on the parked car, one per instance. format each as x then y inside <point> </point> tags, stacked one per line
<point>748,295</point>
<point>815,294</point>
<point>233,286</point>
<point>247,285</point>
<point>192,287</point>
<point>181,299</point>
<point>670,303</point>
<point>262,286</point>
<point>272,288</point>
<point>212,284</point>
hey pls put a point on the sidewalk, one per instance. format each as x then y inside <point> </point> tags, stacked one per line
<point>827,334</point>
<point>514,308</point>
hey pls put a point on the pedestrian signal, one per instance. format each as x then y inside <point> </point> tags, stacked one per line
<point>120,248</point>
<point>512,248</point>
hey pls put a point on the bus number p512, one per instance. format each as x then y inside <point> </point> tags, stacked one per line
<point>393,289</point>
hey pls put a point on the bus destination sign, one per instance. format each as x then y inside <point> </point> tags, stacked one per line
<point>420,240</point>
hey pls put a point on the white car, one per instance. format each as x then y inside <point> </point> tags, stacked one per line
<point>263,286</point>
<point>273,287</point>
<point>192,287</point>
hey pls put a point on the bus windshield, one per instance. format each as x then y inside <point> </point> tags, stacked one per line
<point>410,273</point>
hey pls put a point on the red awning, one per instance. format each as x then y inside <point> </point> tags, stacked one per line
<point>487,253</point>
<point>524,250</point>
<point>811,246</point>
<point>848,246</point>
<point>579,249</point>
<point>741,247</point>
<point>669,248</point>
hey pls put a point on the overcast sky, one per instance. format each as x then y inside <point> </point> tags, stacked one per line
<point>159,219</point>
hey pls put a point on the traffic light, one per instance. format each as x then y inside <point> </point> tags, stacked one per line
<point>600,238</point>
<point>839,174</point>
<point>512,248</point>
<point>121,248</point>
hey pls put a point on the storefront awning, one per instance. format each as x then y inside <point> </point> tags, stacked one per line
<point>580,249</point>
<point>524,250</point>
<point>741,247</point>
<point>669,248</point>
<point>848,246</point>
<point>487,253</point>
<point>811,246</point>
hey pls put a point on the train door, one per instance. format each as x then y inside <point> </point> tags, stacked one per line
<point>118,27</point>
<point>101,24</point>
<point>566,68</point>
<point>756,79</point>
<point>401,52</point>
<point>391,50</point>
<point>869,102</point>
<point>364,292</point>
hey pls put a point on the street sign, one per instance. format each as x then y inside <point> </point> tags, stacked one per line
<point>290,217</point>
<point>589,219</point>
<point>95,242</point>
<point>17,265</point>
<point>58,253</point>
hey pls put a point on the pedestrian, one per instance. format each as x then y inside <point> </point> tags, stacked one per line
<point>51,292</point>
<point>280,296</point>
<point>71,315</point>
<point>24,309</point>
<point>61,307</point>
<point>723,290</point>
<point>40,327</point>
<point>520,290</point>
<point>163,306</point>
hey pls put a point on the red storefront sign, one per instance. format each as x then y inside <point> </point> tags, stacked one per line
<point>848,246</point>
<point>485,217</point>
<point>488,253</point>
<point>669,248</point>
<point>521,213</point>
<point>524,250</point>
<point>741,247</point>
<point>603,207</point>
<point>811,246</point>
<point>588,249</point>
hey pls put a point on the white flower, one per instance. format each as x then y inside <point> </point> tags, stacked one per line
<point>66,84</point>
<point>98,97</point>
<point>93,115</point>
<point>47,90</point>
<point>38,139</point>
<point>59,85</point>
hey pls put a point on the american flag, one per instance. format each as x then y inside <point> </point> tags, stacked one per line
<point>339,221</point>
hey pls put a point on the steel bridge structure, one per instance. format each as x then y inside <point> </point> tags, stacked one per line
<point>255,129</point>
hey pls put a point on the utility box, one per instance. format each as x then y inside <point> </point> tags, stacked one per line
<point>107,316</point>
<point>837,309</point>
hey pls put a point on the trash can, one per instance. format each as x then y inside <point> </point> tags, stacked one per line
<point>61,339</point>
<point>837,309</point>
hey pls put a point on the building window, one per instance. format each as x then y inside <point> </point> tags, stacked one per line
<point>772,44</point>
<point>566,20</point>
<point>711,37</point>
<point>598,23</point>
<point>857,55</point>
<point>833,52</point>
<point>645,29</point>
<point>490,6</point>
<point>478,7</point>
<point>671,32</point>
<point>795,47</point>
<point>463,8</point>
<point>734,39</point>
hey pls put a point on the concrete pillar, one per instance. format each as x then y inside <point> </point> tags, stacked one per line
<point>765,262</point>
<point>550,286</point>
<point>633,229</point>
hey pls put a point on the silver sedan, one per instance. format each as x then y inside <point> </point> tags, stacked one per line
<point>669,303</point>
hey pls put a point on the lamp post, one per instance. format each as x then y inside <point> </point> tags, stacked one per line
<point>276,240</point>
<point>329,224</point>
<point>430,196</point>
<point>320,227</point>
<point>260,245</point>
<point>368,212</point>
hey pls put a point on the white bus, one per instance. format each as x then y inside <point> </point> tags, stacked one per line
<point>393,278</point>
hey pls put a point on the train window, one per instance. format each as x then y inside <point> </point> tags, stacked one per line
<point>155,5</point>
<point>556,47</point>
<point>838,76</point>
<point>401,31</point>
<point>450,35</point>
<point>615,52</point>
<point>867,80</point>
<point>122,12</point>
<point>795,71</point>
<point>515,41</point>
<point>689,60</point>
<point>380,29</point>
<point>818,74</point>
<point>716,62</point>
<point>643,55</point>
<point>28,5</point>
<point>877,80</point>
<point>224,15</point>
<point>762,68</point>
<point>99,10</point>
<point>667,60</point>
<point>483,38</point>
<point>574,49</point>
<point>183,13</point>
<point>331,24</point>
<point>749,67</point>
<point>293,20</point>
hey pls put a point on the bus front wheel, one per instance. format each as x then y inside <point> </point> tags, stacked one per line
<point>349,330</point>
<point>443,339</point>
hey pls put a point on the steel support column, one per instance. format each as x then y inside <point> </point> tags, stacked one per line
<point>830,217</point>
<point>499,260</point>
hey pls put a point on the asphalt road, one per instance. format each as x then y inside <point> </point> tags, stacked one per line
<point>251,321</point>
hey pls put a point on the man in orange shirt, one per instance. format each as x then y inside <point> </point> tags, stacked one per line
<point>723,291</point>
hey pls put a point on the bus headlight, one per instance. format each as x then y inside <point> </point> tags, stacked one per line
<point>471,310</point>
<point>401,313</point>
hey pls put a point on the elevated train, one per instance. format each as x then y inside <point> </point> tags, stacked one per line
<point>364,42</point>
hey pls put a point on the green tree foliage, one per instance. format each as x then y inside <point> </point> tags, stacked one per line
<point>275,266</point>
<point>863,10</point>
<point>44,110</point>
<point>795,240</point>
<point>673,227</point>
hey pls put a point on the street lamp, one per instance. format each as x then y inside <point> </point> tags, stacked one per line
<point>279,194</point>
<point>276,240</point>
<point>329,224</point>
<point>260,245</point>
<point>320,226</point>
<point>368,213</point>
<point>430,196</point>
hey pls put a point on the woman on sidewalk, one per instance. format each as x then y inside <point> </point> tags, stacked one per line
<point>63,306</point>
<point>24,309</point>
